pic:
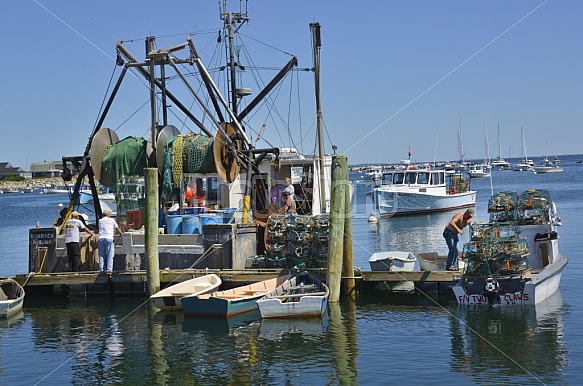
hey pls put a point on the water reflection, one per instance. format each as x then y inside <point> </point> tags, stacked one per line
<point>508,343</point>
<point>306,328</point>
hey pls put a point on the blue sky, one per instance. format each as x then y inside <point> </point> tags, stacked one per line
<point>394,73</point>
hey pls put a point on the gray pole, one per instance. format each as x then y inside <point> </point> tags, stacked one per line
<point>337,214</point>
<point>317,43</point>
<point>152,263</point>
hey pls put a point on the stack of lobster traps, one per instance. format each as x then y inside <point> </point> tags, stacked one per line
<point>495,249</point>
<point>295,241</point>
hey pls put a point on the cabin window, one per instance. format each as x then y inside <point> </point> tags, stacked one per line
<point>398,178</point>
<point>387,179</point>
<point>423,178</point>
<point>410,178</point>
<point>434,178</point>
<point>441,178</point>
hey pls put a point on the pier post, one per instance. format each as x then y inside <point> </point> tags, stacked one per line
<point>348,261</point>
<point>337,214</point>
<point>151,236</point>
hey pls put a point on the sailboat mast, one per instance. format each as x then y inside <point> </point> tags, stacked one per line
<point>317,44</point>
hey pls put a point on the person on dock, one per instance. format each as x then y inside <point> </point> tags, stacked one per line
<point>290,204</point>
<point>455,227</point>
<point>107,228</point>
<point>275,195</point>
<point>73,227</point>
<point>289,187</point>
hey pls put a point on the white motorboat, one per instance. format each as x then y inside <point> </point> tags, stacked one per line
<point>525,164</point>
<point>414,191</point>
<point>513,262</point>
<point>301,296</point>
<point>169,298</point>
<point>394,261</point>
<point>11,297</point>
<point>479,171</point>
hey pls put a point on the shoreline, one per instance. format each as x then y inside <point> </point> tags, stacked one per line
<point>36,183</point>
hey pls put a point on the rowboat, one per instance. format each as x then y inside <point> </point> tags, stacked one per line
<point>169,298</point>
<point>433,261</point>
<point>393,261</point>
<point>230,302</point>
<point>11,297</point>
<point>302,296</point>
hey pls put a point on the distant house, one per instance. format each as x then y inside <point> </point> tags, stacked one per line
<point>7,169</point>
<point>44,169</point>
<point>50,169</point>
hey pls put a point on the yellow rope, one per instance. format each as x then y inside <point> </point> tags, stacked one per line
<point>177,162</point>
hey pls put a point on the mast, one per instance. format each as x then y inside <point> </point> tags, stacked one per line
<point>317,44</point>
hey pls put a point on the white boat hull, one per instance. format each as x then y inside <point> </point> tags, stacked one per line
<point>291,300</point>
<point>168,299</point>
<point>547,169</point>
<point>11,297</point>
<point>393,261</point>
<point>404,203</point>
<point>539,287</point>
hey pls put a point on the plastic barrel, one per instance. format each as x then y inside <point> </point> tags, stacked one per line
<point>190,224</point>
<point>207,218</point>
<point>161,218</point>
<point>228,214</point>
<point>174,224</point>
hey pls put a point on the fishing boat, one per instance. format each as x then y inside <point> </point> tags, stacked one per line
<point>11,297</point>
<point>514,259</point>
<point>168,299</point>
<point>479,171</point>
<point>231,169</point>
<point>415,191</point>
<point>55,189</point>
<point>232,301</point>
<point>393,261</point>
<point>433,261</point>
<point>301,296</point>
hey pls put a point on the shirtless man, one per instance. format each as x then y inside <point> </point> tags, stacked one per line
<point>455,227</point>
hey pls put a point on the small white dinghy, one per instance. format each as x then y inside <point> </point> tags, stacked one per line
<point>169,298</point>
<point>11,297</point>
<point>393,261</point>
<point>300,297</point>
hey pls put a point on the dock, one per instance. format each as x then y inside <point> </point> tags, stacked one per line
<point>133,283</point>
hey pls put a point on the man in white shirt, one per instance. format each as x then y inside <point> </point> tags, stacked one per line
<point>107,228</point>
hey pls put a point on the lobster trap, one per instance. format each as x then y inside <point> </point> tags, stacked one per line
<point>493,230</point>
<point>496,257</point>
<point>297,241</point>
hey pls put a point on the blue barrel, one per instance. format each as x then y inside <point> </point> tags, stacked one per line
<point>207,218</point>
<point>228,214</point>
<point>174,224</point>
<point>161,218</point>
<point>190,224</point>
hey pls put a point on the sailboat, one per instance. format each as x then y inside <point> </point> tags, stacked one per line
<point>500,163</point>
<point>525,164</point>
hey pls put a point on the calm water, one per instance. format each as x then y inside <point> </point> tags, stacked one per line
<point>380,339</point>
